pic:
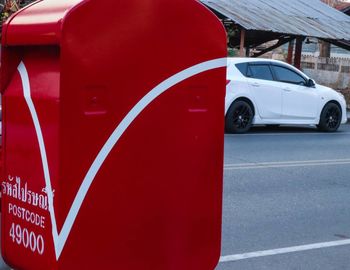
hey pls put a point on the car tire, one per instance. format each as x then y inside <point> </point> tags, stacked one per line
<point>330,118</point>
<point>239,117</point>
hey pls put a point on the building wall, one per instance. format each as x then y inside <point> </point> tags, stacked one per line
<point>332,72</point>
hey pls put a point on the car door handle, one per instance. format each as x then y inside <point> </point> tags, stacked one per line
<point>287,89</point>
<point>255,84</point>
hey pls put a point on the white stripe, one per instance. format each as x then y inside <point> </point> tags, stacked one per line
<point>287,162</point>
<point>113,139</point>
<point>288,166</point>
<point>263,253</point>
<point>27,95</point>
<point>245,166</point>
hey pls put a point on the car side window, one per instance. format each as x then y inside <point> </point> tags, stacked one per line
<point>242,67</point>
<point>288,76</point>
<point>261,72</point>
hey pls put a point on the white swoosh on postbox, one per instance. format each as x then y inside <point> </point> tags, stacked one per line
<point>59,239</point>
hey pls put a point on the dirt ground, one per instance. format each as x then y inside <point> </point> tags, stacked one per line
<point>346,93</point>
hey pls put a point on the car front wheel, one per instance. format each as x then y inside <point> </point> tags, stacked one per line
<point>330,118</point>
<point>239,117</point>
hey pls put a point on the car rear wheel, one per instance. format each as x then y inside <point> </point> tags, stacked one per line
<point>239,117</point>
<point>330,118</point>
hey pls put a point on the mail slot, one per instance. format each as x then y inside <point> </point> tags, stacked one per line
<point>113,120</point>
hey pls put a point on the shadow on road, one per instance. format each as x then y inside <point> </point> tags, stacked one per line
<point>293,129</point>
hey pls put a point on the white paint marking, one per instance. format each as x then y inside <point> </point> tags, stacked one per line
<point>271,252</point>
<point>61,238</point>
<point>286,164</point>
<point>27,95</point>
<point>289,162</point>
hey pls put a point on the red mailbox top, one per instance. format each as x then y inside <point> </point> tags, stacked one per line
<point>37,24</point>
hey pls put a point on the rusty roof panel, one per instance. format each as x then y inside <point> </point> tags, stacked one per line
<point>294,17</point>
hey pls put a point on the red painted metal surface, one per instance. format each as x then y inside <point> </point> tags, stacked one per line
<point>128,111</point>
<point>37,24</point>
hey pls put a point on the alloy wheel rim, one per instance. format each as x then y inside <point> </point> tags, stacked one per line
<point>332,118</point>
<point>241,117</point>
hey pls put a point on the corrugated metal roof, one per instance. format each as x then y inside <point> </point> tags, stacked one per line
<point>295,17</point>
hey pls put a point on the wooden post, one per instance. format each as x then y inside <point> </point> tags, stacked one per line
<point>290,52</point>
<point>241,46</point>
<point>325,49</point>
<point>298,50</point>
<point>247,51</point>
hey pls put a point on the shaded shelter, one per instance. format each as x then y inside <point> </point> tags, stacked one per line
<point>344,7</point>
<point>251,23</point>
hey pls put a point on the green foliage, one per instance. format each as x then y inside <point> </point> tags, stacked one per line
<point>9,7</point>
<point>231,52</point>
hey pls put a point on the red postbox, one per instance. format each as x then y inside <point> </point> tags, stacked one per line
<point>113,120</point>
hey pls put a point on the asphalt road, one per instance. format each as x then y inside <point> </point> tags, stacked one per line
<point>286,190</point>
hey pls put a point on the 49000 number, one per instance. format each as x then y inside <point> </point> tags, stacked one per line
<point>28,239</point>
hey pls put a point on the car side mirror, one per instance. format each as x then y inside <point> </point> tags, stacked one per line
<point>311,83</point>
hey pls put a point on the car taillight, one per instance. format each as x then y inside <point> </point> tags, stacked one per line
<point>227,82</point>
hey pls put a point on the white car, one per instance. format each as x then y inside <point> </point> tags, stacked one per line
<point>269,92</point>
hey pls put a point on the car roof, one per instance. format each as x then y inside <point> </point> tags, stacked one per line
<point>237,60</point>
